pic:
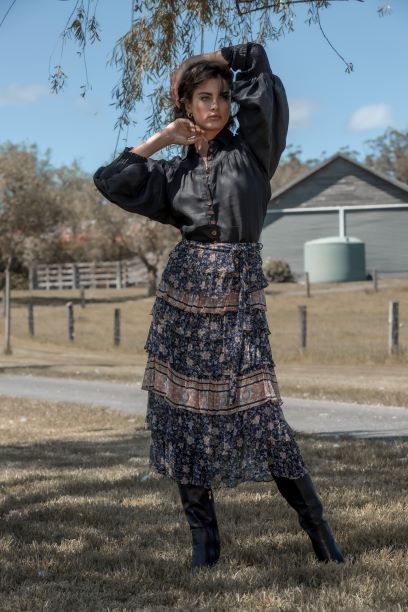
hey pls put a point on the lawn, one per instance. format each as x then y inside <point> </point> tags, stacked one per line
<point>86,525</point>
<point>344,326</point>
<point>346,359</point>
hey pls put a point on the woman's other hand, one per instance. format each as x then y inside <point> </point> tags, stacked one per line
<point>184,132</point>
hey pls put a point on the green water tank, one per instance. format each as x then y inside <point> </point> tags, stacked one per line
<point>335,259</point>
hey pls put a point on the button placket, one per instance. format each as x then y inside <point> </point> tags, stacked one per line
<point>211,213</point>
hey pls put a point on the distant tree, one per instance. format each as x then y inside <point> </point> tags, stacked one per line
<point>290,168</point>
<point>152,243</point>
<point>92,227</point>
<point>390,154</point>
<point>352,153</point>
<point>28,210</point>
<point>29,206</point>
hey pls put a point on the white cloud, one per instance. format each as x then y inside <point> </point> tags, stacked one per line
<point>300,112</point>
<point>15,94</point>
<point>371,116</point>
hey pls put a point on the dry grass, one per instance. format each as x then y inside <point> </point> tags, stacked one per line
<point>82,528</point>
<point>343,327</point>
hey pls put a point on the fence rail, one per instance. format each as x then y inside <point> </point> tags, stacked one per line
<point>104,274</point>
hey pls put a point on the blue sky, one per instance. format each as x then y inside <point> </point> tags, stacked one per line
<point>329,108</point>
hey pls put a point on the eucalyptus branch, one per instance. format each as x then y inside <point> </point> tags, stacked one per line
<point>349,65</point>
<point>279,4</point>
<point>163,33</point>
<point>7,12</point>
<point>80,25</point>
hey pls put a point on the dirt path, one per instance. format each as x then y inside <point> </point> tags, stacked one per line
<point>308,416</point>
<point>361,383</point>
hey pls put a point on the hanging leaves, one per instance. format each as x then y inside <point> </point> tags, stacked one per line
<point>165,32</point>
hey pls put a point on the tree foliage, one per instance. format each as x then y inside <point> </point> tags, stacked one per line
<point>50,214</point>
<point>151,242</point>
<point>163,33</point>
<point>55,214</point>
<point>290,168</point>
<point>389,154</point>
<point>29,210</point>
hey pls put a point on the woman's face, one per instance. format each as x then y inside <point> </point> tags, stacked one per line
<point>210,104</point>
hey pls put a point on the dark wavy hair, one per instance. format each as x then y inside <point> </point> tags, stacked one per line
<point>192,77</point>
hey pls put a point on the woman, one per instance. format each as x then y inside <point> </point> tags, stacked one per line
<point>214,409</point>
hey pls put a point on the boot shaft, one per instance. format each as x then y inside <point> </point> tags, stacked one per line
<point>199,508</point>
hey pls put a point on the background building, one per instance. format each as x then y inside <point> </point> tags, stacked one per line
<point>340,197</point>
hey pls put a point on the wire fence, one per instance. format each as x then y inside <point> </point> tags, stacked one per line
<point>364,326</point>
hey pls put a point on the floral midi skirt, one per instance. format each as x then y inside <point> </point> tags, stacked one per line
<point>214,408</point>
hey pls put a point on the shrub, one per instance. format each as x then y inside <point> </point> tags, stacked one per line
<point>277,271</point>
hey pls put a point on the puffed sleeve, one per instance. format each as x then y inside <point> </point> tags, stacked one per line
<point>263,107</point>
<point>137,184</point>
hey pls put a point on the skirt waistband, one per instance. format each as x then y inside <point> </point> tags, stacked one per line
<point>220,246</point>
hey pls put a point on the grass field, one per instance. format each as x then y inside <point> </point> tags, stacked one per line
<point>346,359</point>
<point>86,526</point>
<point>343,326</point>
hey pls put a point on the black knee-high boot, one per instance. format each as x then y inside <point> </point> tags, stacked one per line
<point>301,495</point>
<point>198,505</point>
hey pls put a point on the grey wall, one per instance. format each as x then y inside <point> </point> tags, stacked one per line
<point>283,235</point>
<point>385,233</point>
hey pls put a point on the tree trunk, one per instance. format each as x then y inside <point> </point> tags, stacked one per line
<point>151,273</point>
<point>151,281</point>
<point>7,311</point>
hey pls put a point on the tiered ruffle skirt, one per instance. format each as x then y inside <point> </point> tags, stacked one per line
<point>214,408</point>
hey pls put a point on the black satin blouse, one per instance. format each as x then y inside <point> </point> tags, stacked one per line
<point>227,202</point>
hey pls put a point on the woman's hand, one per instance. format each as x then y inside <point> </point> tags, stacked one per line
<point>184,132</point>
<point>181,131</point>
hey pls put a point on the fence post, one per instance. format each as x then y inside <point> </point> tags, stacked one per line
<point>307,284</point>
<point>119,275</point>
<point>31,318</point>
<point>71,321</point>
<point>375,280</point>
<point>116,327</point>
<point>76,281</point>
<point>93,275</point>
<point>7,312</point>
<point>32,277</point>
<point>82,294</point>
<point>302,327</point>
<point>393,328</point>
<point>60,277</point>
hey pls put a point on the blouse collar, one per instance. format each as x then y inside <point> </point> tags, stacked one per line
<point>220,140</point>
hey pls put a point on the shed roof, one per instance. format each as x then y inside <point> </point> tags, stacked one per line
<point>337,156</point>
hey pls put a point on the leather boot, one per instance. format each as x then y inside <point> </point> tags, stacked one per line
<point>301,495</point>
<point>198,505</point>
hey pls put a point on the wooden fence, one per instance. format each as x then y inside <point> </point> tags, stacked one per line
<point>393,325</point>
<point>104,274</point>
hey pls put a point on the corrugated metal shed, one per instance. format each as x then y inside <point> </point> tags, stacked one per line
<point>340,196</point>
